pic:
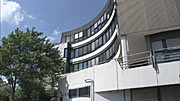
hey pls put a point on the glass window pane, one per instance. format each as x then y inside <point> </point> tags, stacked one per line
<point>76,67</point>
<point>107,54</point>
<point>89,63</point>
<point>80,51</point>
<point>73,93</point>
<point>89,32</point>
<point>108,16</point>
<point>76,53</point>
<point>102,19</point>
<point>84,92</point>
<point>100,41</point>
<point>92,29</point>
<point>84,49</point>
<point>72,38</point>
<point>107,35</point>
<point>72,53</point>
<point>95,25</point>
<point>80,34</point>
<point>71,68</point>
<point>105,16</point>
<point>97,43</point>
<point>101,58</point>
<point>99,22</point>
<point>89,48</point>
<point>174,42</point>
<point>110,51</point>
<point>104,38</point>
<point>93,46</point>
<point>93,62</point>
<point>85,64</point>
<point>97,60</point>
<point>80,66</point>
<point>76,36</point>
<point>65,53</point>
<point>157,45</point>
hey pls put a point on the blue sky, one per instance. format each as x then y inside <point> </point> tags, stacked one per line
<point>49,16</point>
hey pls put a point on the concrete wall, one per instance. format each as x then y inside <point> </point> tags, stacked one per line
<point>144,15</point>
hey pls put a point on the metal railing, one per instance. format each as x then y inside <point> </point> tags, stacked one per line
<point>150,57</point>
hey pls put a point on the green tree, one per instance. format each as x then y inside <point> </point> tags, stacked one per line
<point>26,60</point>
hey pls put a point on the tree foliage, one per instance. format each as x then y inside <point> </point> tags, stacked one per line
<point>27,60</point>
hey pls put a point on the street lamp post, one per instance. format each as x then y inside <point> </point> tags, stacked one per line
<point>92,87</point>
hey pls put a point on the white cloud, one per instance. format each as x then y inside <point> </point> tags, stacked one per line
<point>31,17</point>
<point>50,38</point>
<point>11,12</point>
<point>56,31</point>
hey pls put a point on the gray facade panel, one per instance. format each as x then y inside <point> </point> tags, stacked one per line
<point>142,15</point>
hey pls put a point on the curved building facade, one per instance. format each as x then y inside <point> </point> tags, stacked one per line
<point>129,52</point>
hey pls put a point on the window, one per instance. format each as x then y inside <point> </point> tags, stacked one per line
<point>95,25</point>
<point>68,39</point>
<point>80,34</point>
<point>93,62</point>
<point>99,22</point>
<point>92,29</point>
<point>72,53</point>
<point>100,41</point>
<point>72,38</point>
<point>65,53</point>
<point>80,51</point>
<point>102,19</point>
<point>76,53</point>
<point>110,32</point>
<point>97,43</point>
<point>89,32</point>
<point>107,35</point>
<point>89,48</point>
<point>76,36</point>
<point>73,93</point>
<point>80,66</point>
<point>79,92</point>
<point>89,63</point>
<point>93,46</point>
<point>84,92</point>
<point>104,16</point>
<point>104,38</point>
<point>110,51</point>
<point>76,67</point>
<point>108,16</point>
<point>107,54</point>
<point>101,58</point>
<point>173,42</point>
<point>71,68</point>
<point>85,64</point>
<point>85,49</point>
<point>97,60</point>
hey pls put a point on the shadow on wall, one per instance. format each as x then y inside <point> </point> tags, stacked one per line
<point>109,96</point>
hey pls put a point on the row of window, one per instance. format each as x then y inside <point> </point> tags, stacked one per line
<point>79,92</point>
<point>91,30</point>
<point>95,44</point>
<point>104,57</point>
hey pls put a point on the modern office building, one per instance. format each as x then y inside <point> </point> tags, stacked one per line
<point>129,52</point>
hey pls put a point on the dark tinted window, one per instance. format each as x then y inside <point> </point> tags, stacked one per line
<point>84,92</point>
<point>76,53</point>
<point>73,93</point>
<point>65,52</point>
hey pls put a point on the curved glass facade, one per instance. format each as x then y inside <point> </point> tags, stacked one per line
<point>100,41</point>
